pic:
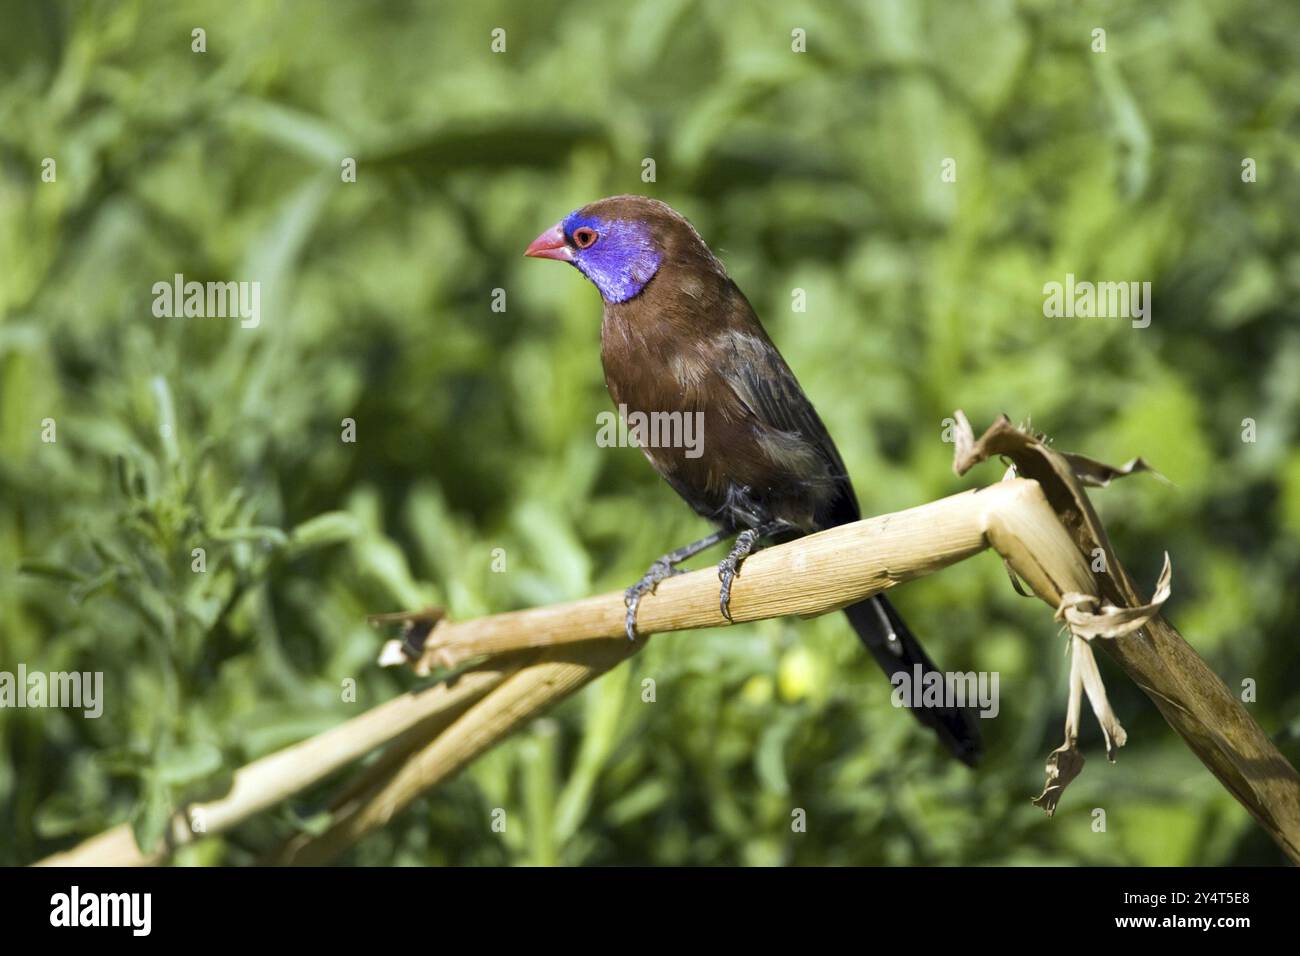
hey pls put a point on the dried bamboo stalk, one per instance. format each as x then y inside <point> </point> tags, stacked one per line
<point>809,576</point>
<point>267,781</point>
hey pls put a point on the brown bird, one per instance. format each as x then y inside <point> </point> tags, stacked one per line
<point>679,337</point>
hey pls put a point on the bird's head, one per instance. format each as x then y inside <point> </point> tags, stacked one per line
<point>618,243</point>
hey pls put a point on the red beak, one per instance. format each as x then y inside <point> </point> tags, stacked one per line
<point>550,245</point>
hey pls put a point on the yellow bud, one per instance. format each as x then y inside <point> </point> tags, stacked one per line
<point>797,674</point>
<point>757,691</point>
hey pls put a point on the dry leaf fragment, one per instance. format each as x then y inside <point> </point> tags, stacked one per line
<point>1066,762</point>
<point>1113,621</point>
<point>1085,665</point>
<point>1098,474</point>
<point>1063,765</point>
<point>391,654</point>
<point>412,648</point>
<point>1112,612</point>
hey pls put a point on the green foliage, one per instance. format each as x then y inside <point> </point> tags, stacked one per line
<point>474,428</point>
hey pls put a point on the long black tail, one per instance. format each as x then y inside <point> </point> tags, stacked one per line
<point>896,650</point>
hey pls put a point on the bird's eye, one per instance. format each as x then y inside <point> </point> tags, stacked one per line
<point>585,238</point>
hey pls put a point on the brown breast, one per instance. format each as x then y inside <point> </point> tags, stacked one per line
<point>704,440</point>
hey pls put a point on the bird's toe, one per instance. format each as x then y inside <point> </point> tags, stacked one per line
<point>724,593</point>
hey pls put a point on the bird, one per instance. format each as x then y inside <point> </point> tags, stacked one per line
<point>677,335</point>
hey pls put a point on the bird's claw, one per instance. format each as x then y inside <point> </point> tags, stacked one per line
<point>629,622</point>
<point>632,596</point>
<point>728,568</point>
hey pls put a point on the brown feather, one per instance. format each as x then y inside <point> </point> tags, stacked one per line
<point>682,346</point>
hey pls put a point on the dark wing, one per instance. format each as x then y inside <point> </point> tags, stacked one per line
<point>761,379</point>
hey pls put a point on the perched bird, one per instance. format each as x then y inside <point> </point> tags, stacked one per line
<point>678,336</point>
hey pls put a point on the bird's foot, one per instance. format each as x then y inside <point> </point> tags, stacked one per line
<point>658,571</point>
<point>729,567</point>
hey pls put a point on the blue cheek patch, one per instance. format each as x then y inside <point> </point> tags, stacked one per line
<point>623,259</point>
